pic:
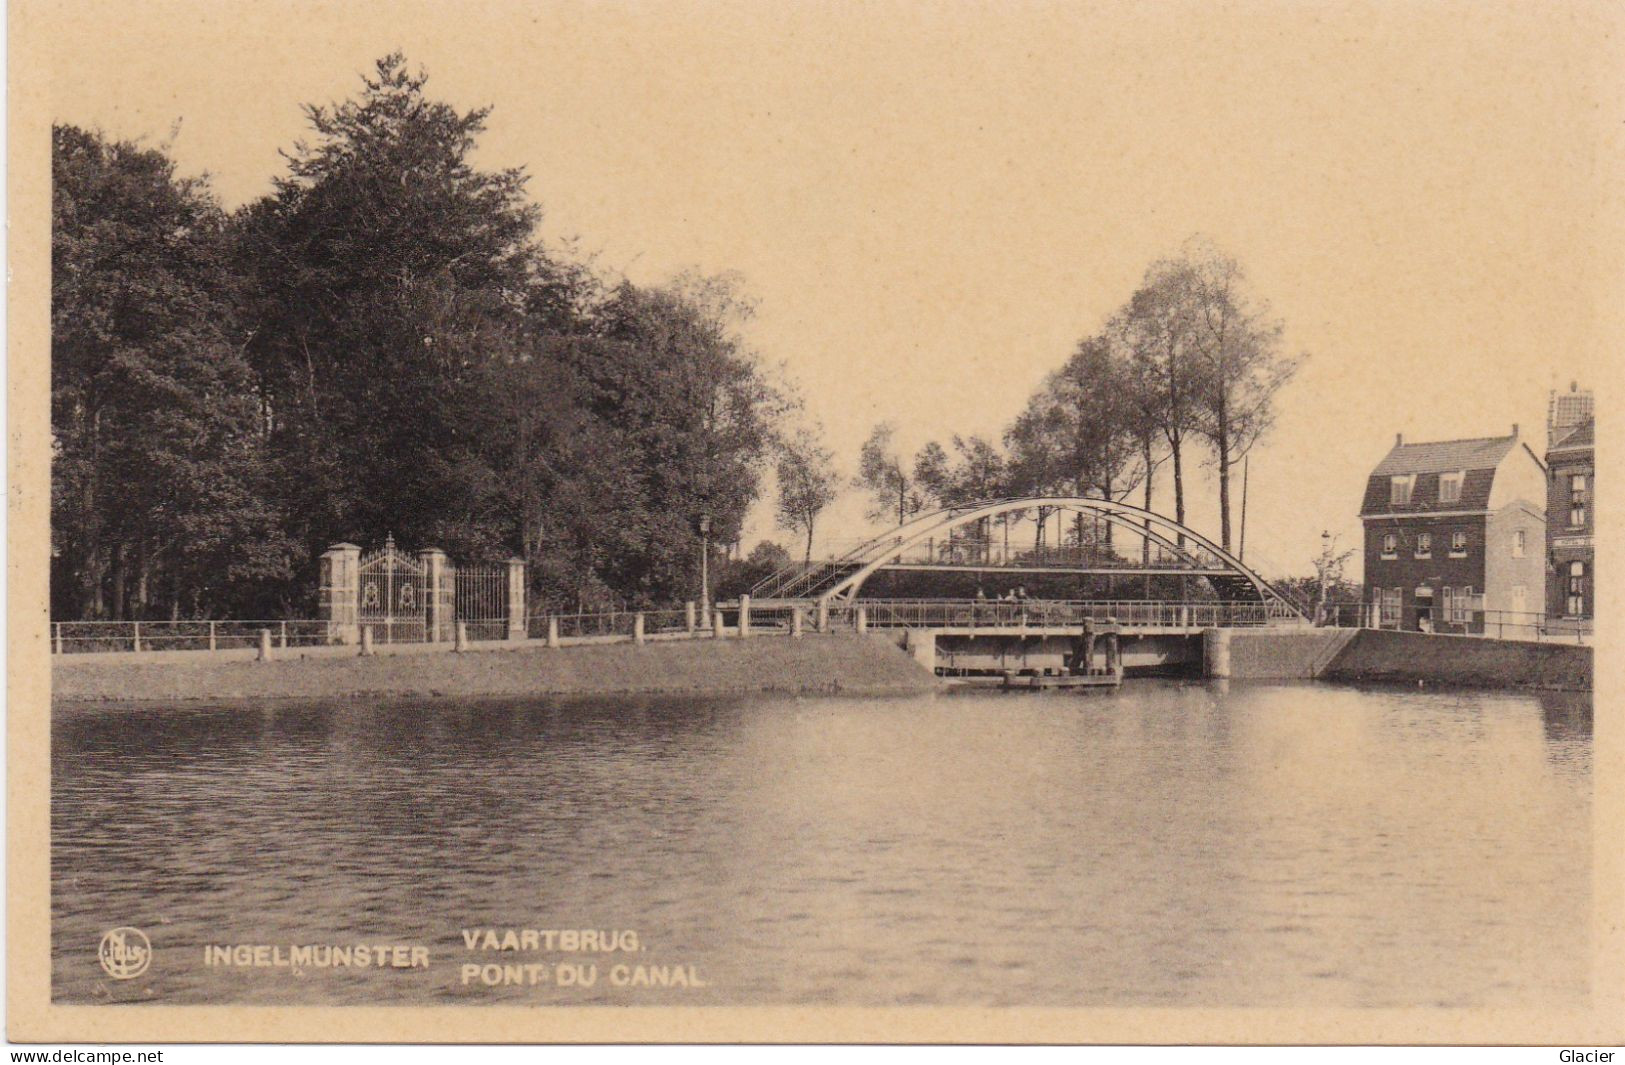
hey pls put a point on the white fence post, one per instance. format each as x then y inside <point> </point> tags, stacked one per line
<point>823,615</point>
<point>282,641</point>
<point>863,620</point>
<point>744,617</point>
<point>637,628</point>
<point>58,628</point>
<point>265,645</point>
<point>717,628</point>
<point>552,631</point>
<point>462,636</point>
<point>138,637</point>
<point>689,616</point>
<point>366,639</point>
<point>795,623</point>
<point>211,635</point>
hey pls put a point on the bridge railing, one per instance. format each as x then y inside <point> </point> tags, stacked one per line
<point>1041,613</point>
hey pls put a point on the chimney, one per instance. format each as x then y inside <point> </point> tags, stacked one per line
<point>1574,386</point>
<point>1514,430</point>
<point>1399,439</point>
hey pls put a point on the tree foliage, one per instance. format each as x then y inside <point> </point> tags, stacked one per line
<point>159,497</point>
<point>808,483</point>
<point>380,345</point>
<point>893,486</point>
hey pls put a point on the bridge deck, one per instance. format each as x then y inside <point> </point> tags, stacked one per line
<point>986,615</point>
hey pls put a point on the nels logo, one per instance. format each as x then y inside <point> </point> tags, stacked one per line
<point>125,953</point>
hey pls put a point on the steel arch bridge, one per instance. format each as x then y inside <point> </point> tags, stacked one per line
<point>934,541</point>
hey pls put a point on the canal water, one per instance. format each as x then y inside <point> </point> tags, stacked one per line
<point>1177,843</point>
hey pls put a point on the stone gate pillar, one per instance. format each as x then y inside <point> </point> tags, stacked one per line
<point>437,589</point>
<point>341,593</point>
<point>516,599</point>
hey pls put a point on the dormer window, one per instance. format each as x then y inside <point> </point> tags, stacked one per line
<point>1390,545</point>
<point>1519,544</point>
<point>1424,545</point>
<point>1450,487</point>
<point>1399,490</point>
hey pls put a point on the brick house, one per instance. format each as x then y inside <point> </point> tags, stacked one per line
<point>1454,533</point>
<point>1570,516</point>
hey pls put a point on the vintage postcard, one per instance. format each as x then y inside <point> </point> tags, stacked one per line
<point>871,521</point>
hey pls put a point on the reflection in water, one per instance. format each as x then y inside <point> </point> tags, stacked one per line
<point>1171,844</point>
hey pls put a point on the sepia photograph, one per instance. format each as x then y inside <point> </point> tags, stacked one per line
<point>874,521</point>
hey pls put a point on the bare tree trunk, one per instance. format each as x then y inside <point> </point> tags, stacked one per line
<point>1145,542</point>
<point>1179,489</point>
<point>1150,472</point>
<point>118,581</point>
<point>143,576</point>
<point>1221,444</point>
<point>1106,490</point>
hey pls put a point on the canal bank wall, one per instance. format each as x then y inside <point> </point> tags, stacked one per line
<point>1264,655</point>
<point>1469,661</point>
<point>1390,656</point>
<point>852,664</point>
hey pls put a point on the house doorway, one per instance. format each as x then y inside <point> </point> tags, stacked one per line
<point>1424,608</point>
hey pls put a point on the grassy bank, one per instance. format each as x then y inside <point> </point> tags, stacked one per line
<point>860,665</point>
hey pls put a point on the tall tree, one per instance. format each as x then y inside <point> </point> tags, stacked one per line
<point>881,472</point>
<point>158,500</point>
<point>808,483</point>
<point>388,270</point>
<point>1238,346</point>
<point>667,371</point>
<point>1158,326</point>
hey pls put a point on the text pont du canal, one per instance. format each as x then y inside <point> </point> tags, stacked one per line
<point>567,974</point>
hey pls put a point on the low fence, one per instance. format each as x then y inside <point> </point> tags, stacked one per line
<point>74,637</point>
<point>1491,624</point>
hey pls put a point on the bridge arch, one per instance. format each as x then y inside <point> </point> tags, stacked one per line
<point>1180,540</point>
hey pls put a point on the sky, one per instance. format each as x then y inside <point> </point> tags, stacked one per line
<point>932,202</point>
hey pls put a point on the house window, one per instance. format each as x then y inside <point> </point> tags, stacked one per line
<point>1458,544</point>
<point>1390,545</point>
<point>1577,499</point>
<point>1450,487</point>
<point>1399,490</point>
<point>1518,543</point>
<point>1390,608</point>
<point>1464,605</point>
<point>1424,545</point>
<point>1576,605</point>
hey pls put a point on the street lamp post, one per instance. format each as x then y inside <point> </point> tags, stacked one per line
<point>705,571</point>
<point>1325,568</point>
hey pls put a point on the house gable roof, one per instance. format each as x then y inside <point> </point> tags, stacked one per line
<point>1445,456</point>
<point>1478,458</point>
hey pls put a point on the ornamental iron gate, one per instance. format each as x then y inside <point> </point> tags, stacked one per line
<point>402,598</point>
<point>396,595</point>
